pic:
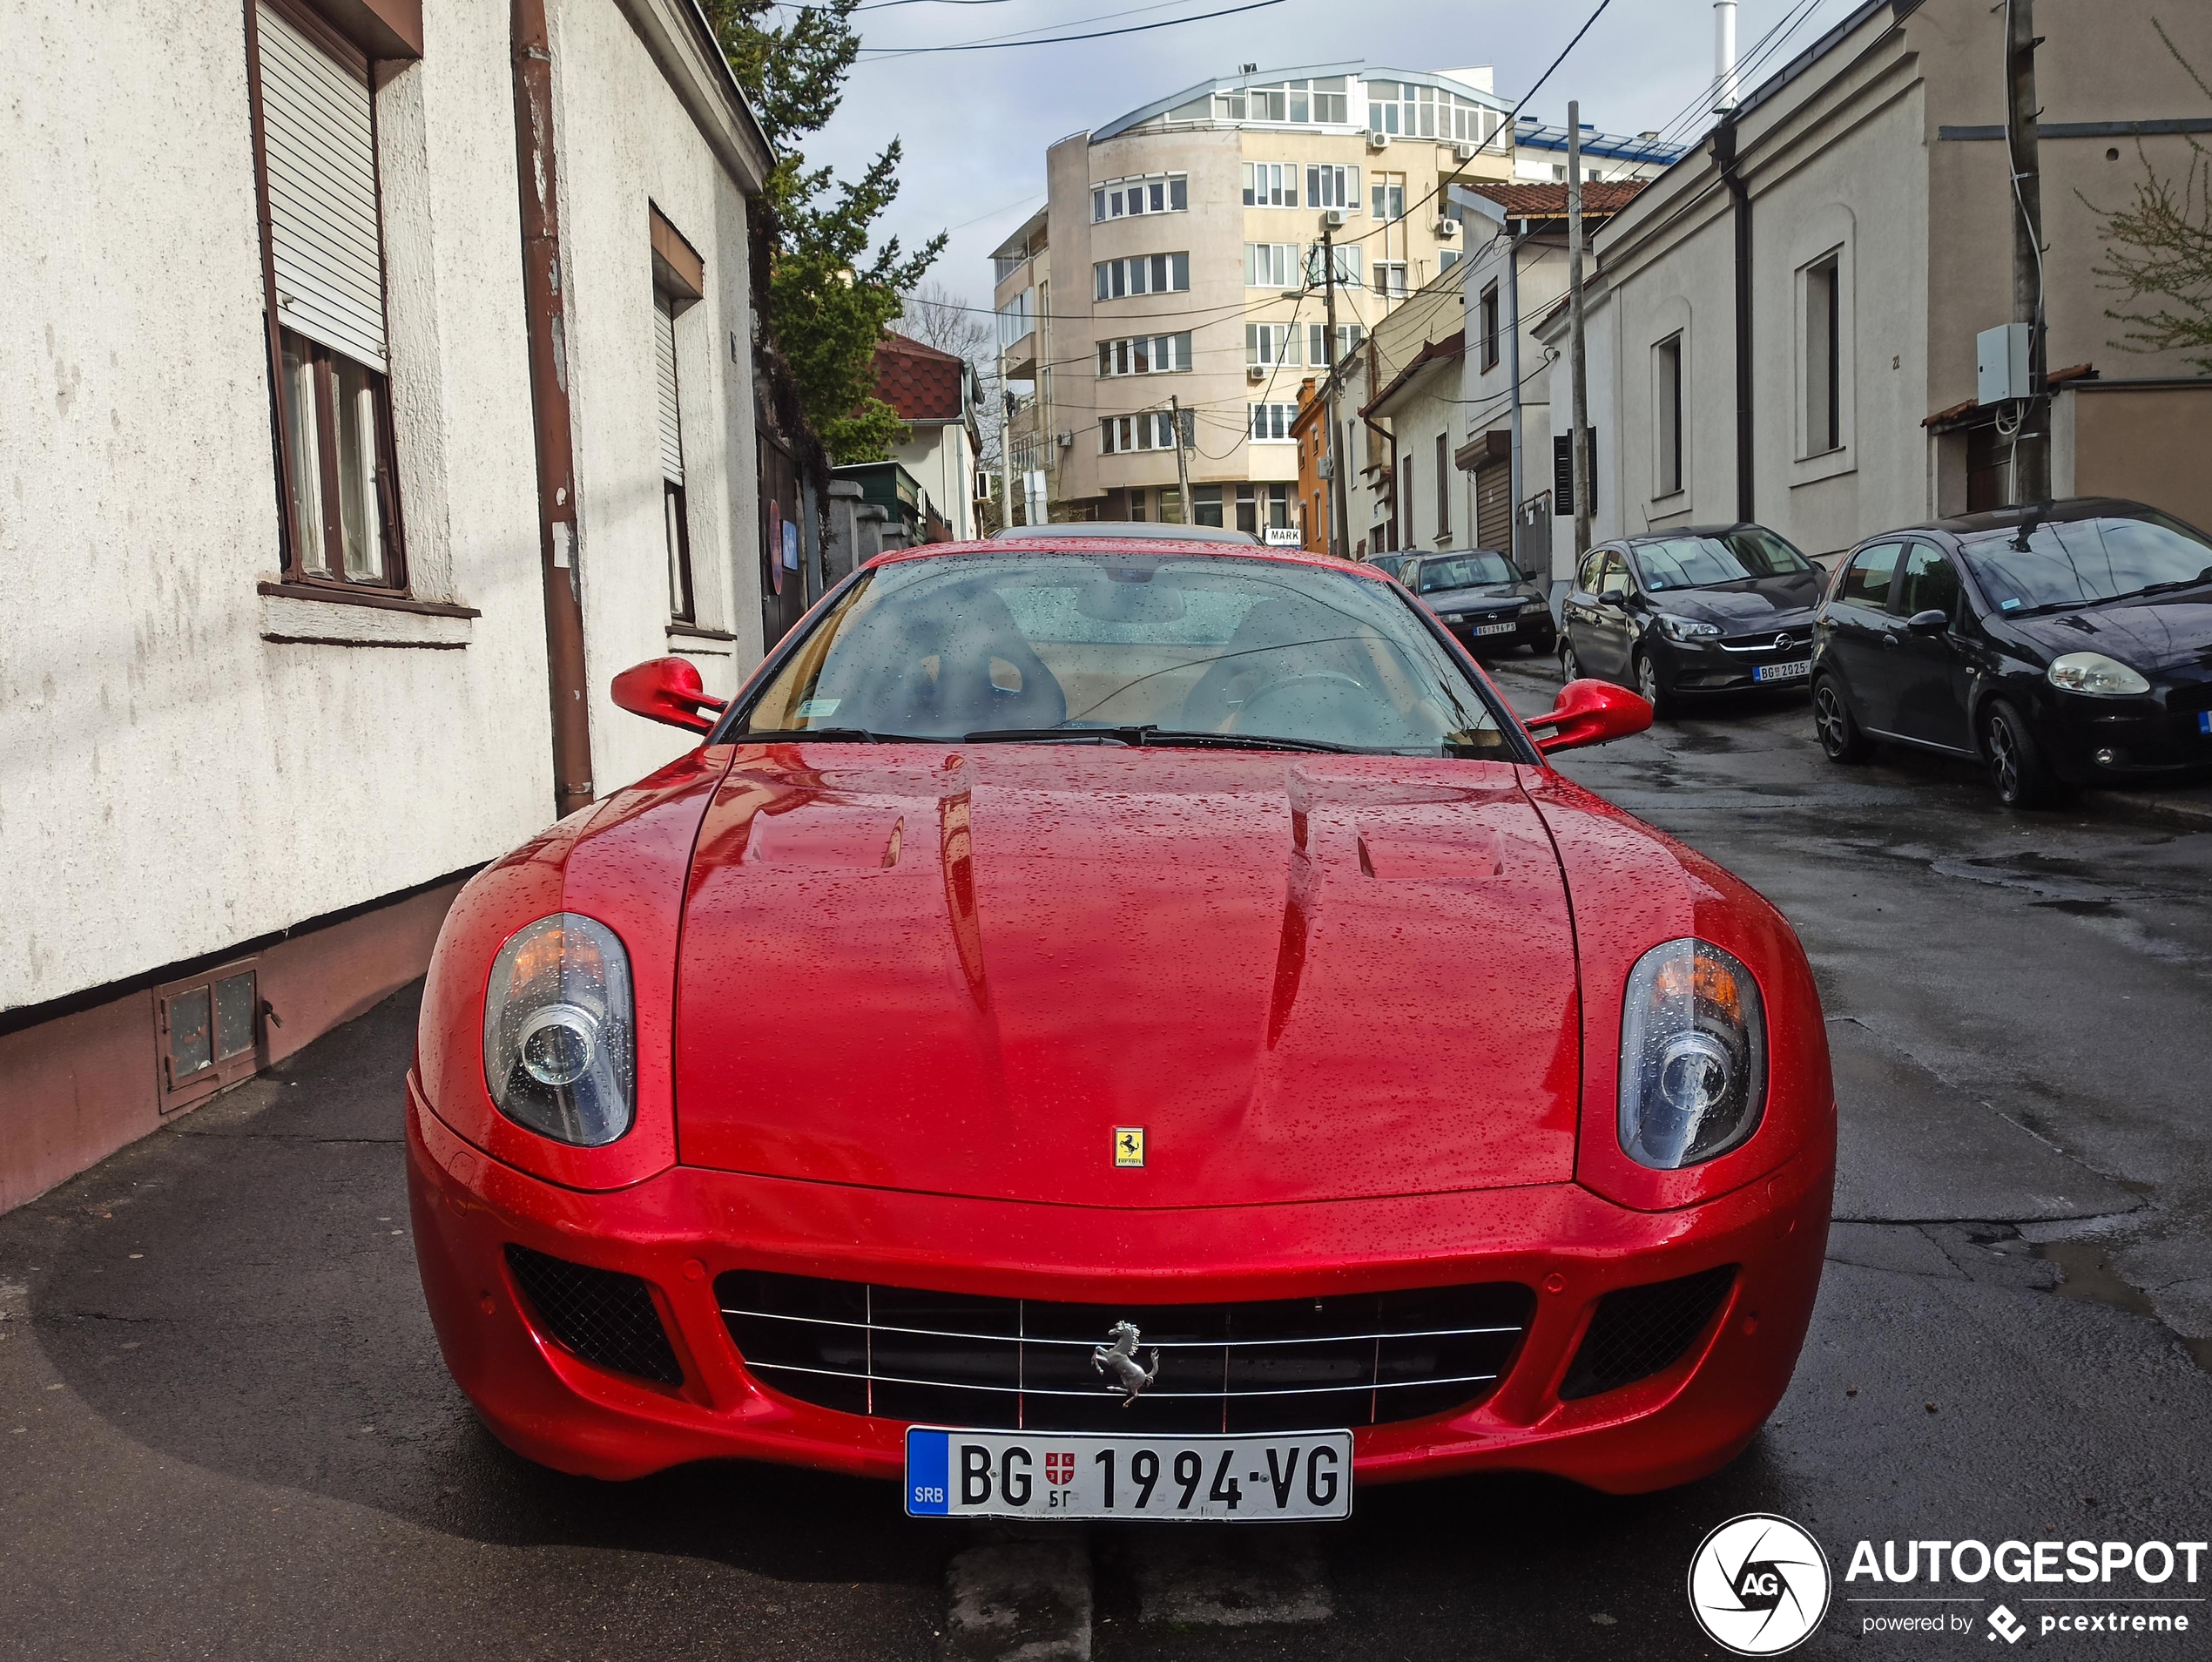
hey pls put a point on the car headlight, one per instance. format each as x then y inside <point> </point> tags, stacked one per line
<point>1455,616</point>
<point>2093,672</point>
<point>1686,628</point>
<point>1693,1056</point>
<point>1533,606</point>
<point>560,1048</point>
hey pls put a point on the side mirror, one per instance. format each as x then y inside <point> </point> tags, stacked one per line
<point>667,690</point>
<point>1591,712</point>
<point>1933,621</point>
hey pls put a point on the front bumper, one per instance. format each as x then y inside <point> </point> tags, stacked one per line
<point>1718,666</point>
<point>2097,740</point>
<point>1534,629</point>
<point>681,1229</point>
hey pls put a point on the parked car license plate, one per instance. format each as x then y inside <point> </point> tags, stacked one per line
<point>1793,670</point>
<point>1054,1475</point>
<point>1495,629</point>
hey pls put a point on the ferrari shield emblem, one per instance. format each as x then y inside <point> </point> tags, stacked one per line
<point>1129,1145</point>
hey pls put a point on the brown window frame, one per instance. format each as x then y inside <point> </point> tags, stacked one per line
<point>1443,488</point>
<point>220,1070</point>
<point>394,579</point>
<point>1490,324</point>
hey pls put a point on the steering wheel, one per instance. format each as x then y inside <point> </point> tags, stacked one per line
<point>1242,721</point>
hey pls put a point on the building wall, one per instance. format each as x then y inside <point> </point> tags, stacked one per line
<point>1485,395</point>
<point>942,460</point>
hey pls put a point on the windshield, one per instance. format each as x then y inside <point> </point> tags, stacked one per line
<point>1466,571</point>
<point>1147,649</point>
<point>1732,556</point>
<point>2076,561</point>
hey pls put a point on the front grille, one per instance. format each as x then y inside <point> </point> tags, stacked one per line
<point>1640,1330</point>
<point>1026,1364</point>
<point>2188,700</point>
<point>605,1317</point>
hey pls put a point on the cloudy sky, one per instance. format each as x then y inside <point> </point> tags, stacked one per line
<point>977,124</point>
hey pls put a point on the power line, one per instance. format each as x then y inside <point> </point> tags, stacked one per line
<point>885,53</point>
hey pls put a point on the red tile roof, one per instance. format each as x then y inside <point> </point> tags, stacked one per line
<point>1548,201</point>
<point>918,381</point>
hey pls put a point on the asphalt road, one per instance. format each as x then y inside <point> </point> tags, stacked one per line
<point>224,1430</point>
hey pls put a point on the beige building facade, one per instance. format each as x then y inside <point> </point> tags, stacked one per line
<point>1174,283</point>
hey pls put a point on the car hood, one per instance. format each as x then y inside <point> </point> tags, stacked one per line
<point>2157,636</point>
<point>963,970</point>
<point>1770,602</point>
<point>1486,596</point>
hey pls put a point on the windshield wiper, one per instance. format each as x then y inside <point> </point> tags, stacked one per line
<point>1149,734</point>
<point>836,735</point>
<point>2200,578</point>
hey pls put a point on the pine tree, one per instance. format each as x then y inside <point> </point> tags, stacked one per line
<point>828,301</point>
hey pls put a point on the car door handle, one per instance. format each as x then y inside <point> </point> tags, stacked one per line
<point>1888,639</point>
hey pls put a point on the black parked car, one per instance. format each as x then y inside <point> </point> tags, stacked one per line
<point>2062,643</point>
<point>1482,597</point>
<point>1394,564</point>
<point>1709,609</point>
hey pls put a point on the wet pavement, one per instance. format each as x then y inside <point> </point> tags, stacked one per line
<point>224,1430</point>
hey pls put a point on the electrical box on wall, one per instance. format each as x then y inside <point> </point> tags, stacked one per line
<point>2001,363</point>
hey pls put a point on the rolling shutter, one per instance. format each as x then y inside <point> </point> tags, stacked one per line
<point>1493,505</point>
<point>672,429</point>
<point>320,140</point>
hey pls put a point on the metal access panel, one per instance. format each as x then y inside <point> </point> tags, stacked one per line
<point>2001,363</point>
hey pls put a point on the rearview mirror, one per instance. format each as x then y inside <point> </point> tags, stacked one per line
<point>667,690</point>
<point>1590,712</point>
<point>1931,622</point>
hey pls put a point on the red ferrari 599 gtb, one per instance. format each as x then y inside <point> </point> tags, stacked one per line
<point>1126,1026</point>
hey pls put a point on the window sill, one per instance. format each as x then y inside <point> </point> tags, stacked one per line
<point>1825,465</point>
<point>694,638</point>
<point>310,614</point>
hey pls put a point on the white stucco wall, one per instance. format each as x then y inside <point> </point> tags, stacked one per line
<point>171,781</point>
<point>943,461</point>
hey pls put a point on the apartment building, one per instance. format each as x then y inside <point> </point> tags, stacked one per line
<point>359,349</point>
<point>1171,288</point>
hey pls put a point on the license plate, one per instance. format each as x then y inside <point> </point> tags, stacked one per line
<point>1790,672</point>
<point>1080,1474</point>
<point>1495,629</point>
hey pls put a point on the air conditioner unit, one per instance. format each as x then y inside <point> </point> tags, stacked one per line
<point>1464,151</point>
<point>1255,372</point>
<point>1336,219</point>
<point>1448,228</point>
<point>1378,141</point>
<point>1067,441</point>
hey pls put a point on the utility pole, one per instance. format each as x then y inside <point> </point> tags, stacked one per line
<point>1340,540</point>
<point>1516,469</point>
<point>1181,467</point>
<point>2031,453</point>
<point>1005,444</point>
<point>1579,445</point>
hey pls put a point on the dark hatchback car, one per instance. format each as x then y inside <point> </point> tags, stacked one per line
<point>2061,644</point>
<point>1708,608</point>
<point>1486,600</point>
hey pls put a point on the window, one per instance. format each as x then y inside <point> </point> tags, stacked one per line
<point>1156,193</point>
<point>1320,99</point>
<point>1332,187</point>
<point>1491,327</point>
<point>1270,184</point>
<point>207,1033</point>
<point>675,521</point>
<point>1823,358</point>
<point>1159,273</point>
<point>1447,258</point>
<point>1272,422</point>
<point>1205,505</point>
<point>1666,400</point>
<point>1171,504</point>
<point>1262,507</point>
<point>1388,196</point>
<point>1272,265</point>
<point>1443,489</point>
<point>1136,504</point>
<point>1145,355</point>
<point>1317,342</point>
<point>1151,429</point>
<point>1407,536</point>
<point>1930,584</point>
<point>1563,473</point>
<point>1416,111</point>
<point>1267,345</point>
<point>337,480</point>
<point>1390,279</point>
<point>1867,582</point>
<point>1017,317</point>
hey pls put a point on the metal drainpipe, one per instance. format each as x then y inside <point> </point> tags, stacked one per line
<point>1739,196</point>
<point>543,311</point>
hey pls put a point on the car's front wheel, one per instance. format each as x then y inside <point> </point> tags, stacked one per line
<point>1569,665</point>
<point>2022,778</point>
<point>1653,689</point>
<point>1833,723</point>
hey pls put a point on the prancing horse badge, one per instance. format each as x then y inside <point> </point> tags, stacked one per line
<point>1129,1145</point>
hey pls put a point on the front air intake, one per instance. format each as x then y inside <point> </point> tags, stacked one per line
<point>1639,1331</point>
<point>605,1317</point>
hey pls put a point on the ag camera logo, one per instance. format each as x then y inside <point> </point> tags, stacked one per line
<point>1759,1585</point>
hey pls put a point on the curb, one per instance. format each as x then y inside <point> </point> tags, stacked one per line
<point>2192,810</point>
